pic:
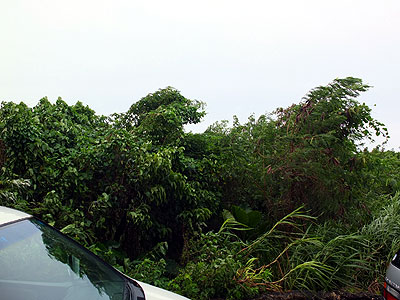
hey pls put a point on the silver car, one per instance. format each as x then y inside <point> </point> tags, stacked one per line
<point>392,280</point>
<point>38,262</point>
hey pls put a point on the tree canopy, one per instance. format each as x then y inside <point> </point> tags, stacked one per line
<point>135,187</point>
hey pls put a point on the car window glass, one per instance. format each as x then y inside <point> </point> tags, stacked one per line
<point>37,262</point>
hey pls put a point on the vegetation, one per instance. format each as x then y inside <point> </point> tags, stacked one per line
<point>289,200</point>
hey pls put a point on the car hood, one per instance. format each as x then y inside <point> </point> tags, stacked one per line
<point>155,293</point>
<point>8,215</point>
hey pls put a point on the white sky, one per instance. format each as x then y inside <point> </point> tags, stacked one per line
<point>240,57</point>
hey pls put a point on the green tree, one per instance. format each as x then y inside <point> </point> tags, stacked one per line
<point>105,179</point>
<point>307,153</point>
<point>160,116</point>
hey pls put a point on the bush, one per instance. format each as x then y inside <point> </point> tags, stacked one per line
<point>217,267</point>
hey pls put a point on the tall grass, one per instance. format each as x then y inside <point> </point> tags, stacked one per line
<point>295,253</point>
<point>382,238</point>
<point>330,257</point>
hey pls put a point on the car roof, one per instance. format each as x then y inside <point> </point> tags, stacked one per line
<point>8,215</point>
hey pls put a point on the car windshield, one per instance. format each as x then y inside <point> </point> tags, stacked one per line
<point>38,262</point>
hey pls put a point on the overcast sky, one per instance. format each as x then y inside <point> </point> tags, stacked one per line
<point>239,57</point>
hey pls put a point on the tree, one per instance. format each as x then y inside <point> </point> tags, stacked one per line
<point>160,116</point>
<point>304,154</point>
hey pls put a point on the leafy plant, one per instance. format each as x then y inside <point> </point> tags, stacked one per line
<point>11,190</point>
<point>213,262</point>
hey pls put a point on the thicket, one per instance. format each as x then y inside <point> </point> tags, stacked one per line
<point>289,200</point>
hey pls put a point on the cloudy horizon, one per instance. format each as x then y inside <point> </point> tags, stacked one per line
<point>238,57</point>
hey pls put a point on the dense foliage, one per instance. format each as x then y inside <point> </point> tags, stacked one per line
<point>289,200</point>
